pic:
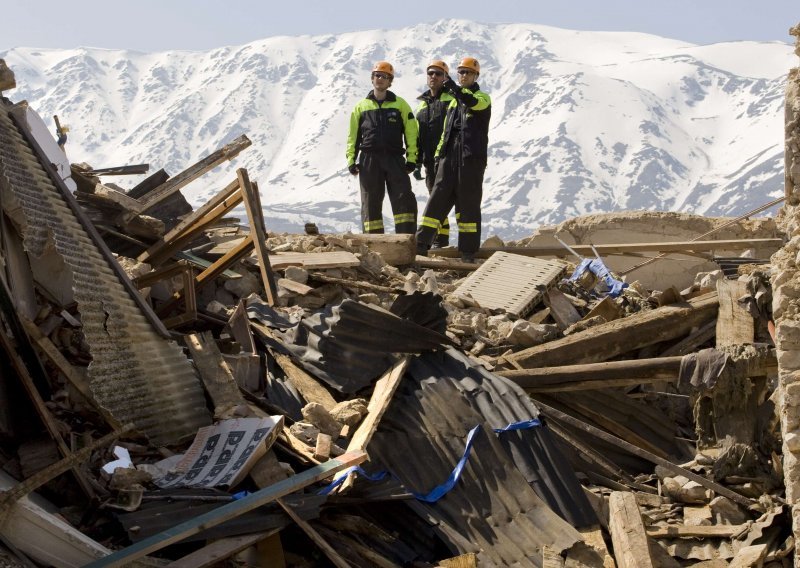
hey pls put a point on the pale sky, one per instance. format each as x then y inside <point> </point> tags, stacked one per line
<point>158,25</point>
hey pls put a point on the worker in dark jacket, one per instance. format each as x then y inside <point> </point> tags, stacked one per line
<point>430,117</point>
<point>379,125</point>
<point>461,157</point>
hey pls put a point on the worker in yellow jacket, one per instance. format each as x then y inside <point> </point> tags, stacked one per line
<point>382,152</point>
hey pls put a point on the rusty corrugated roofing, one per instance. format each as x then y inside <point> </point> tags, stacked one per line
<point>135,373</point>
<point>493,509</point>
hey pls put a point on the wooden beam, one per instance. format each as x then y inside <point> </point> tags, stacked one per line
<point>182,233</point>
<point>595,375</point>
<point>310,389</point>
<point>252,203</point>
<point>604,341</point>
<point>214,372</point>
<point>323,545</point>
<point>652,458</point>
<point>229,511</point>
<point>693,341</point>
<point>382,395</point>
<point>622,248</point>
<point>227,152</point>
<point>735,325</point>
<point>698,531</point>
<point>628,536</point>
<point>219,550</point>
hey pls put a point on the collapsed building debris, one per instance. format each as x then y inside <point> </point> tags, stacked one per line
<point>351,404</point>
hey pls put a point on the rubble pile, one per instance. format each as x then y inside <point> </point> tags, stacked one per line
<point>184,388</point>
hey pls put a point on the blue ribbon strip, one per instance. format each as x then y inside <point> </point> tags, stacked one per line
<point>441,490</point>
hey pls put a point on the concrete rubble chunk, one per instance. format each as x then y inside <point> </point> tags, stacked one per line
<point>316,414</point>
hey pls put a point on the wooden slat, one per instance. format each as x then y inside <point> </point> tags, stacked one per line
<point>314,260</point>
<point>698,531</point>
<point>608,340</point>
<point>622,248</point>
<point>310,389</point>
<point>219,550</point>
<point>229,511</point>
<point>631,549</point>
<point>252,203</point>
<point>735,325</point>
<point>323,545</point>
<point>227,152</point>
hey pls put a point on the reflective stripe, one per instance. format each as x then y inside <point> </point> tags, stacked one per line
<point>431,222</point>
<point>405,218</point>
<point>373,225</point>
<point>445,231</point>
<point>458,216</point>
<point>467,227</point>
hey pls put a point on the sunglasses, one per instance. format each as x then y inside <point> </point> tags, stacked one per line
<point>465,71</point>
<point>381,75</point>
<point>435,73</point>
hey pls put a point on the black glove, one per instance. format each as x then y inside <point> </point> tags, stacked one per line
<point>418,172</point>
<point>354,169</point>
<point>450,85</point>
<point>435,166</point>
<point>410,167</point>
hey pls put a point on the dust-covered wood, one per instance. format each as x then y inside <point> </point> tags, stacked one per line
<point>608,340</point>
<point>735,325</point>
<point>214,372</point>
<point>252,203</point>
<point>561,309</point>
<point>316,538</point>
<point>309,387</point>
<point>628,536</point>
<point>219,550</point>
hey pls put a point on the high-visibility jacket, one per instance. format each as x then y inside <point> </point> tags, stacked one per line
<point>467,120</point>
<point>430,117</point>
<point>381,127</point>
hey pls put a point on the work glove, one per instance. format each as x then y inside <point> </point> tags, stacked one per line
<point>418,172</point>
<point>354,169</point>
<point>410,167</point>
<point>450,85</point>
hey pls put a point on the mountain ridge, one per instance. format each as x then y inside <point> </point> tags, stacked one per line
<point>582,122</point>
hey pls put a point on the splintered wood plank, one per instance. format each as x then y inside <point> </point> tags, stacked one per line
<point>697,531</point>
<point>382,395</point>
<point>239,324</point>
<point>219,550</point>
<point>628,536</point>
<point>735,325</point>
<point>227,152</point>
<point>323,545</point>
<point>309,387</point>
<point>228,511</point>
<point>252,203</point>
<point>607,340</point>
<point>314,260</point>
<point>192,224</point>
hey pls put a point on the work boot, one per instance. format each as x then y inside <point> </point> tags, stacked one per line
<point>422,250</point>
<point>440,244</point>
<point>468,257</point>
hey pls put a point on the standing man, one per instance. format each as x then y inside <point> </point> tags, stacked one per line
<point>379,125</point>
<point>462,156</point>
<point>430,117</point>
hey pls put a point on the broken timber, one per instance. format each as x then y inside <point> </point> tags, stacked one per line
<point>229,511</point>
<point>613,249</point>
<point>631,549</point>
<point>613,338</point>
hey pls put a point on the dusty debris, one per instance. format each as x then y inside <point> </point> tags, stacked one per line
<point>643,411</point>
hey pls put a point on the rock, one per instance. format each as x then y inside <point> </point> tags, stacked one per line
<point>708,279</point>
<point>316,414</point>
<point>219,309</point>
<point>125,477</point>
<point>297,274</point>
<point>350,412</point>
<point>305,432</point>
<point>370,298</point>
<point>244,286</point>
<point>726,512</point>
<point>526,334</point>
<point>681,489</point>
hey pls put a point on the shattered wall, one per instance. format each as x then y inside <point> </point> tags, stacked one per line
<point>786,301</point>
<point>651,226</point>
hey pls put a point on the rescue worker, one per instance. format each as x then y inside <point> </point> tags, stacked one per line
<point>461,158</point>
<point>379,125</point>
<point>430,117</point>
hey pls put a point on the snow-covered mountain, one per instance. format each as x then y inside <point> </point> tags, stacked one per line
<point>583,122</point>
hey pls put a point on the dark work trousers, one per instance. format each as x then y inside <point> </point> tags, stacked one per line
<point>460,186</point>
<point>380,173</point>
<point>443,235</point>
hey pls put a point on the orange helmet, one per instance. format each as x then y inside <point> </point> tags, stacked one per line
<point>439,64</point>
<point>384,67</point>
<point>470,63</point>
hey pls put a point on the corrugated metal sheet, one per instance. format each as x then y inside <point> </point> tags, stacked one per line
<point>348,345</point>
<point>135,373</point>
<point>512,282</point>
<point>493,509</point>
